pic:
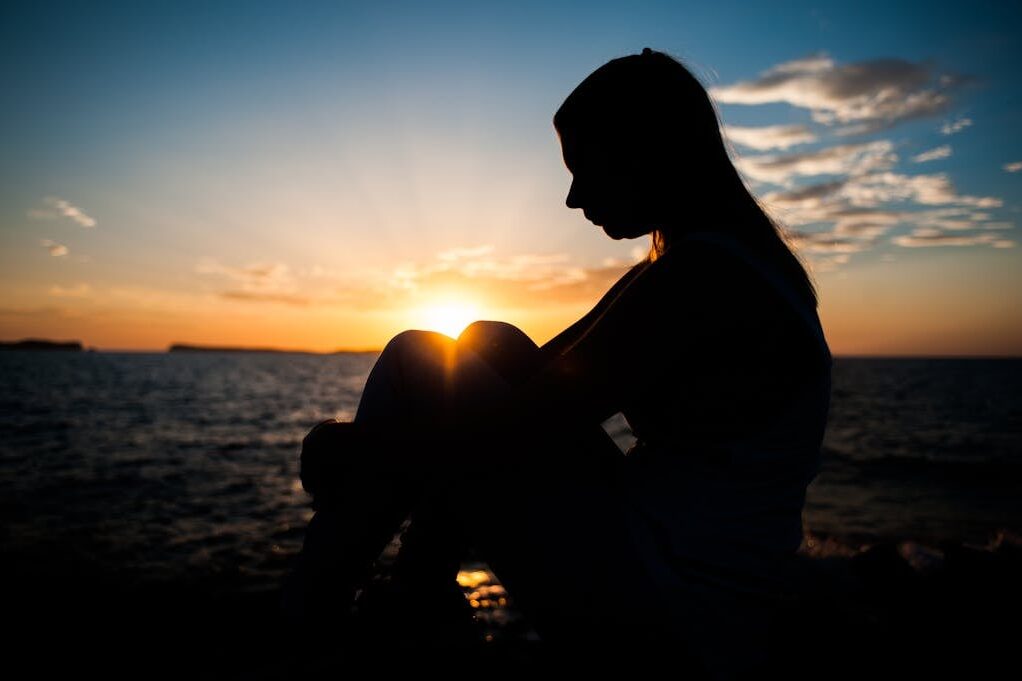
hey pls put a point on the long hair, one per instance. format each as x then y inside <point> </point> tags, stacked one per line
<point>650,109</point>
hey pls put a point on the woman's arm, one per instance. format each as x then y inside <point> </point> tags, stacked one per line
<point>566,338</point>
<point>648,316</point>
<point>575,389</point>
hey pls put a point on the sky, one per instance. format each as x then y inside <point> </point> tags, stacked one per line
<point>323,175</point>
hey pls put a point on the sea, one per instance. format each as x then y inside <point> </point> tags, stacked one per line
<point>166,465</point>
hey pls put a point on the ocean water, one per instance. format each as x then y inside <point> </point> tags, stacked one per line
<point>158,466</point>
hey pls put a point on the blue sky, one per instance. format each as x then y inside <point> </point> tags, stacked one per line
<point>306,174</point>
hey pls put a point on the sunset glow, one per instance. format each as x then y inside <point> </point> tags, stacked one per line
<point>264,183</point>
<point>448,317</point>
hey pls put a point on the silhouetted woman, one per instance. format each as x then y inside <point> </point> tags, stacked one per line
<point>710,347</point>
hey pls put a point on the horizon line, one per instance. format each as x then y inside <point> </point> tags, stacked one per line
<point>199,347</point>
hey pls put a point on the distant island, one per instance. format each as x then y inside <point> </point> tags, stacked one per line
<point>187,347</point>
<point>41,344</point>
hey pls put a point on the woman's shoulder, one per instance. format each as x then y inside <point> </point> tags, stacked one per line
<point>742,289</point>
<point>710,273</point>
<point>726,263</point>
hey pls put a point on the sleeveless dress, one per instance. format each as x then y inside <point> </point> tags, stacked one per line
<point>719,534</point>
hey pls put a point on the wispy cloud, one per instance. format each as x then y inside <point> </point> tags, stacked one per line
<point>54,207</point>
<point>849,215</point>
<point>956,218</point>
<point>929,190</point>
<point>843,159</point>
<point>259,281</point>
<point>955,126</point>
<point>943,151</point>
<point>869,95</point>
<point>266,297</point>
<point>935,237</point>
<point>770,136</point>
<point>510,281</point>
<point>505,280</point>
<point>465,253</point>
<point>55,249</point>
<point>77,291</point>
<point>823,242</point>
<point>1012,167</point>
<point>256,274</point>
<point>530,269</point>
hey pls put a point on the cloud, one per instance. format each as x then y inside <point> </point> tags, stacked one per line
<point>955,126</point>
<point>825,204</point>
<point>76,291</point>
<point>807,197</point>
<point>934,237</point>
<point>870,95</point>
<point>842,199</point>
<point>502,281</point>
<point>261,274</point>
<point>528,268</point>
<point>257,282</point>
<point>465,253</point>
<point>638,253</point>
<point>955,218</point>
<point>940,152</point>
<point>877,188</point>
<point>57,207</point>
<point>54,248</point>
<point>825,242</point>
<point>851,214</point>
<point>843,159</point>
<point>265,297</point>
<point>770,136</point>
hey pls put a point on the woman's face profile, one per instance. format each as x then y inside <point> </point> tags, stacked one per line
<point>608,187</point>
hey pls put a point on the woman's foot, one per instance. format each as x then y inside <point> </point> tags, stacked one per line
<point>357,513</point>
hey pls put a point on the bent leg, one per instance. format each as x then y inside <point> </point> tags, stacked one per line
<point>435,543</point>
<point>424,377</point>
<point>419,379</point>
<point>504,347</point>
<point>535,528</point>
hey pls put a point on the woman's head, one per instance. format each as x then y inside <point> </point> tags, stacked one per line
<point>642,141</point>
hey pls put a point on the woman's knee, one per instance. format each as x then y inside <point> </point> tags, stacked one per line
<point>485,330</point>
<point>415,340</point>
<point>411,350</point>
<point>503,346</point>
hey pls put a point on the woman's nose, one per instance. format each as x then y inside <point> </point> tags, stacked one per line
<point>572,201</point>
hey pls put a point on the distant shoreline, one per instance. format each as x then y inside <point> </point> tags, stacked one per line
<point>187,347</point>
<point>42,344</point>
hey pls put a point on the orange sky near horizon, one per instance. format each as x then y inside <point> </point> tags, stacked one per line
<point>932,307</point>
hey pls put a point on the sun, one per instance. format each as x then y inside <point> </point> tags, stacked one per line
<point>449,317</point>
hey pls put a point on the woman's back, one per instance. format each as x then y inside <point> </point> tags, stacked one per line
<point>716,484</point>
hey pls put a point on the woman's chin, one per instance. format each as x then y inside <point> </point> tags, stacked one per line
<point>618,232</point>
